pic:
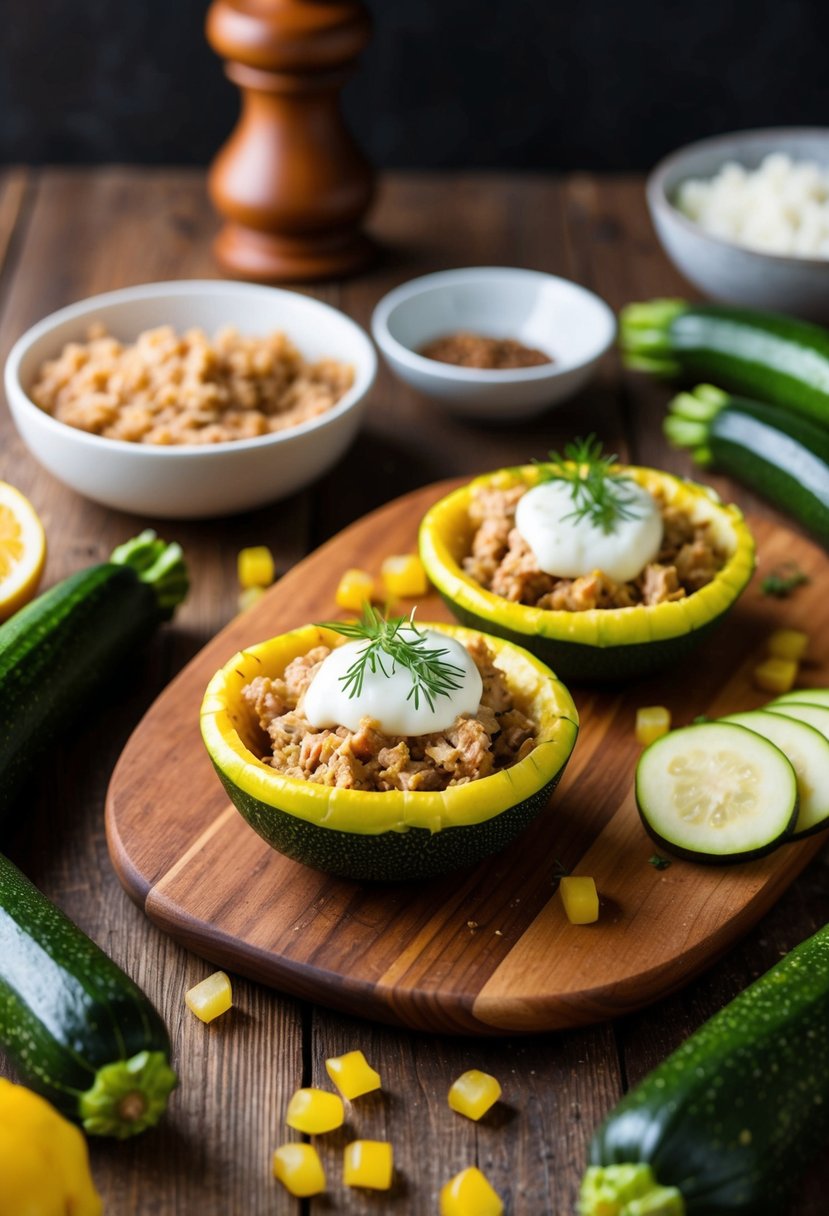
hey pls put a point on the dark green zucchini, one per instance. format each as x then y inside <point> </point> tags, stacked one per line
<point>727,1124</point>
<point>782,457</point>
<point>78,1029</point>
<point>62,647</point>
<point>770,357</point>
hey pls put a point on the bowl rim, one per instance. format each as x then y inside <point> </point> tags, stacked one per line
<point>364,377</point>
<point>397,351</point>
<point>658,199</point>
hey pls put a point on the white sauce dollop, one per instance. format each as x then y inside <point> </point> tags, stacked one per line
<point>570,548</point>
<point>386,699</point>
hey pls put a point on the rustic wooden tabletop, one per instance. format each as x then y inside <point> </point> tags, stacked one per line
<point>69,234</point>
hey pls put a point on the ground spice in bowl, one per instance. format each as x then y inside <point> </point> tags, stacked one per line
<point>490,354</point>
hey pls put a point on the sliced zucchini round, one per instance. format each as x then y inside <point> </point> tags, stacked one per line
<point>808,751</point>
<point>716,792</point>
<point>811,696</point>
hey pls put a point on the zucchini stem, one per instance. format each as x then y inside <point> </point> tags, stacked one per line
<point>627,1190</point>
<point>689,419</point>
<point>158,564</point>
<point>127,1096</point>
<point>645,336</point>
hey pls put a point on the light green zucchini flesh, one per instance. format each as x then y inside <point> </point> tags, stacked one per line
<point>808,751</point>
<point>716,792</point>
<point>809,696</point>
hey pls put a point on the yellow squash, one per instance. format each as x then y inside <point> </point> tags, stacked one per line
<point>600,643</point>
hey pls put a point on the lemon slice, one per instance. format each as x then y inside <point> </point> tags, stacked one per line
<point>22,550</point>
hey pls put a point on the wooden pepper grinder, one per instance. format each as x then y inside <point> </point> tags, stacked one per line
<point>291,182</point>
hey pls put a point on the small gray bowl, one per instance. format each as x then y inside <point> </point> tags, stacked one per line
<point>729,272</point>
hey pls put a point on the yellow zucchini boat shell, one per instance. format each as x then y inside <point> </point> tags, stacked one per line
<point>600,644</point>
<point>394,835</point>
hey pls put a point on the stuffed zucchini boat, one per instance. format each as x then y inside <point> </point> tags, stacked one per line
<point>259,742</point>
<point>593,643</point>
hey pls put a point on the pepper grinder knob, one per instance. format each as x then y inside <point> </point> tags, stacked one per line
<point>291,183</point>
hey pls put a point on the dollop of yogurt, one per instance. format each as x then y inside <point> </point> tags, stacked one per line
<point>385,698</point>
<point>573,547</point>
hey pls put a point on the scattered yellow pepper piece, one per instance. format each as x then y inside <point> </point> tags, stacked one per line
<point>315,1111</point>
<point>469,1194</point>
<point>776,675</point>
<point>404,576</point>
<point>352,1074</point>
<point>211,997</point>
<point>44,1164</point>
<point>474,1093</point>
<point>652,722</point>
<point>299,1169</point>
<point>580,899</point>
<point>249,597</point>
<point>368,1163</point>
<point>788,644</point>
<point>256,567</point>
<point>356,587</point>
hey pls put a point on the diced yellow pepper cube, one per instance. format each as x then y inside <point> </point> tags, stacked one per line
<point>368,1163</point>
<point>580,899</point>
<point>404,576</point>
<point>299,1169</point>
<point>788,644</point>
<point>256,567</point>
<point>352,1074</point>
<point>356,587</point>
<point>474,1093</point>
<point>210,998</point>
<point>776,675</point>
<point>314,1111</point>
<point>249,597</point>
<point>469,1194</point>
<point>652,722</point>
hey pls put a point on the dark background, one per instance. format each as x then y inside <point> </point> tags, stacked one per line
<point>607,84</point>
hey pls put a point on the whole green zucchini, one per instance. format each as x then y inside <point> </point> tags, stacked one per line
<point>59,650</point>
<point>768,357</point>
<point>78,1029</point>
<point>781,456</point>
<point>726,1125</point>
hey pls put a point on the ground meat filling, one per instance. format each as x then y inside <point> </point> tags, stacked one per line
<point>502,561</point>
<point>498,736</point>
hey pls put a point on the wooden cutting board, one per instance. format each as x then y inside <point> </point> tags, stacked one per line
<point>487,951</point>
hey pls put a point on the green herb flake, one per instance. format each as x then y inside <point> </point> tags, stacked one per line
<point>396,641</point>
<point>783,580</point>
<point>600,492</point>
<point>658,863</point>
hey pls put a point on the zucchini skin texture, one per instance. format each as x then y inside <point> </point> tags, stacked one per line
<point>66,1009</point>
<point>775,358</point>
<point>57,651</point>
<point>783,457</point>
<point>736,1113</point>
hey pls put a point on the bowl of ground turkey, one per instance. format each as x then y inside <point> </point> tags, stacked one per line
<point>190,399</point>
<point>591,628</point>
<point>366,805</point>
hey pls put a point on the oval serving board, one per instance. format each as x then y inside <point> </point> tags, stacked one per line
<point>487,951</point>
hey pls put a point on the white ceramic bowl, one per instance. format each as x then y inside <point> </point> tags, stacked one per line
<point>192,482</point>
<point>717,267</point>
<point>566,321</point>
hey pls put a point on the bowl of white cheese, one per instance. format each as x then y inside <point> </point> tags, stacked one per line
<point>745,217</point>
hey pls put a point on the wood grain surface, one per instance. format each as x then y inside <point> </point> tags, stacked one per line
<point>487,950</point>
<point>66,234</point>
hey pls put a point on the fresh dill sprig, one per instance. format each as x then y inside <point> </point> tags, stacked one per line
<point>600,493</point>
<point>783,580</point>
<point>398,641</point>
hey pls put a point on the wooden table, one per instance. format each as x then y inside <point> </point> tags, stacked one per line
<point>68,234</point>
